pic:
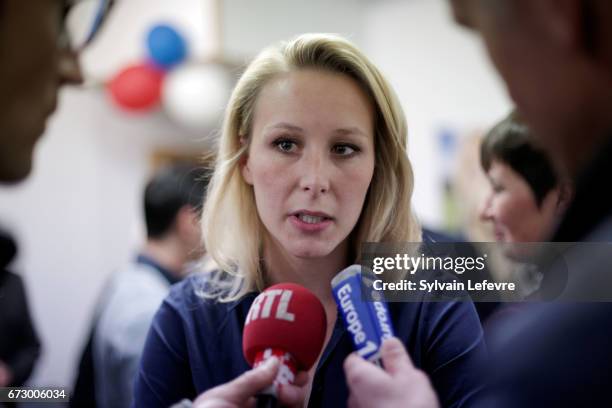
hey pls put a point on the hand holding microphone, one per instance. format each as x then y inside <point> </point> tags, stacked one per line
<point>399,384</point>
<point>283,337</point>
<point>241,391</point>
<point>288,322</point>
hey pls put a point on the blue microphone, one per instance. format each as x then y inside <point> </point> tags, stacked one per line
<point>368,322</point>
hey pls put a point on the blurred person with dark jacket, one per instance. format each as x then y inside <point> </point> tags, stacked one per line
<point>172,205</point>
<point>19,344</point>
<point>556,59</point>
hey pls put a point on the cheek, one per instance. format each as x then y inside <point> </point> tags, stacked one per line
<point>519,214</point>
<point>260,167</point>
<point>505,209</point>
<point>355,191</point>
<point>267,175</point>
<point>507,58</point>
<point>269,183</point>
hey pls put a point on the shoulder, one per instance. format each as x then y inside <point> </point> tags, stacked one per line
<point>432,316</point>
<point>550,338</point>
<point>190,300</point>
<point>203,331</point>
<point>133,291</point>
<point>194,344</point>
<point>10,279</point>
<point>13,305</point>
<point>191,293</point>
<point>602,232</point>
<point>138,276</point>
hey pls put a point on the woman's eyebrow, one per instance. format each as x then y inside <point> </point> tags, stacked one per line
<point>351,131</point>
<point>285,126</point>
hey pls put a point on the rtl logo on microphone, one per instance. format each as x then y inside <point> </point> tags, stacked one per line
<point>262,306</point>
<point>288,322</point>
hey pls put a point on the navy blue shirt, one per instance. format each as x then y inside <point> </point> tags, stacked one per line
<point>195,344</point>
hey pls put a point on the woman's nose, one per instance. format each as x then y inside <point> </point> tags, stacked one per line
<point>484,212</point>
<point>68,68</point>
<point>315,176</point>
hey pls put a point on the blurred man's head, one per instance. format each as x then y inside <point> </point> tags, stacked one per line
<point>37,59</point>
<point>556,59</point>
<point>173,201</point>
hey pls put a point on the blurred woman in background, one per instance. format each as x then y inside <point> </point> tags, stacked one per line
<point>526,200</point>
<point>527,197</point>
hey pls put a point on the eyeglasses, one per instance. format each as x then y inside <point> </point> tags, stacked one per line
<point>81,22</point>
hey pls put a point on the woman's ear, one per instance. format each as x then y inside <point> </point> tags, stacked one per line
<point>566,195</point>
<point>244,163</point>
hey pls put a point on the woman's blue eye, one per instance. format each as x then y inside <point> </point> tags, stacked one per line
<point>345,150</point>
<point>285,145</point>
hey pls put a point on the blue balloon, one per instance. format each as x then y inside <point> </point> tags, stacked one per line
<point>166,46</point>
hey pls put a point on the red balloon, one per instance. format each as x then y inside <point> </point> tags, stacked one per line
<point>137,87</point>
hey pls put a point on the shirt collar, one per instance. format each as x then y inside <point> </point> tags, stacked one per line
<point>166,273</point>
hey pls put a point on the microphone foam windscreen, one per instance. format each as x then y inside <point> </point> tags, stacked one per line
<point>288,317</point>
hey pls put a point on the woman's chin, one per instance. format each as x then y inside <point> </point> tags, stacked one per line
<point>311,251</point>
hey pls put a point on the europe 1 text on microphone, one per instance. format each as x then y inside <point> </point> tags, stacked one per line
<point>367,321</point>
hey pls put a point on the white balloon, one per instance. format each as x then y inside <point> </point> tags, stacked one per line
<point>195,95</point>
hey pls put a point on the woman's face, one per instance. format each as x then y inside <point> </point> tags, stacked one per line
<point>512,208</point>
<point>310,159</point>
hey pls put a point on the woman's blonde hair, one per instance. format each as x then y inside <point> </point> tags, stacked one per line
<point>232,230</point>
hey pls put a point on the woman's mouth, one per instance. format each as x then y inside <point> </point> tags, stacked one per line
<point>499,235</point>
<point>311,219</point>
<point>310,222</point>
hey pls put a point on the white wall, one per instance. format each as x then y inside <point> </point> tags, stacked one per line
<point>443,78</point>
<point>249,25</point>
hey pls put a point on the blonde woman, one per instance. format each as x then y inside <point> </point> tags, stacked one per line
<point>312,162</point>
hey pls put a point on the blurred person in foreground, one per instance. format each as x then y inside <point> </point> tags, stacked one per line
<point>312,163</point>
<point>172,206</point>
<point>39,56</point>
<point>19,344</point>
<point>556,59</point>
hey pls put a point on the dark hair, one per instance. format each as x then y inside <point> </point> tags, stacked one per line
<point>510,142</point>
<point>169,190</point>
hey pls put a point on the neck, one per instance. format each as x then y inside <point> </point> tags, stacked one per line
<point>315,274</point>
<point>168,253</point>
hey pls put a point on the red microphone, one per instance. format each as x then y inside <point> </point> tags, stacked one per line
<point>286,321</point>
